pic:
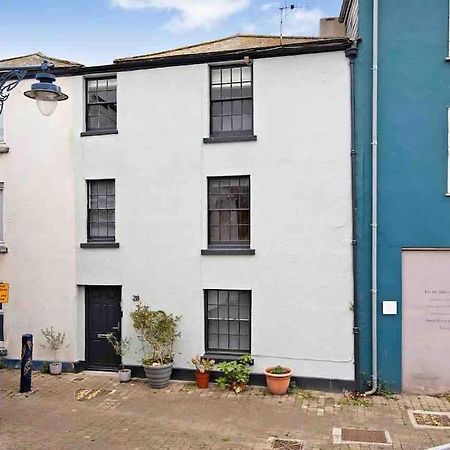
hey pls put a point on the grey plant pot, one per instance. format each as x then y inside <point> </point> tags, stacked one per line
<point>55,368</point>
<point>124,375</point>
<point>158,376</point>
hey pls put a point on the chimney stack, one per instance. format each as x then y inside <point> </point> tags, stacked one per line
<point>331,27</point>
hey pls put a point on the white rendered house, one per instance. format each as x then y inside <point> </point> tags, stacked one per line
<point>213,181</point>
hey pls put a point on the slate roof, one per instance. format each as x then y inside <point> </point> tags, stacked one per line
<point>229,43</point>
<point>36,59</point>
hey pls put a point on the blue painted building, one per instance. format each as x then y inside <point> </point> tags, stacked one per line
<point>413,211</point>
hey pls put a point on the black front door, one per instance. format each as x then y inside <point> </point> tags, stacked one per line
<point>103,317</point>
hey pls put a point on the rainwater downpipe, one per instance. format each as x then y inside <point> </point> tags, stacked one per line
<point>351,53</point>
<point>448,55</point>
<point>374,198</point>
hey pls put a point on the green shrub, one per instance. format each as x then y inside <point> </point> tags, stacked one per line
<point>236,374</point>
<point>279,370</point>
<point>158,332</point>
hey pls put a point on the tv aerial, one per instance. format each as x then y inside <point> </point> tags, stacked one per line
<point>284,12</point>
<point>288,9</point>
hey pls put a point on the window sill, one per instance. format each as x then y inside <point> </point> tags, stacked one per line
<point>3,248</point>
<point>220,139</point>
<point>4,148</point>
<point>228,251</point>
<point>219,357</point>
<point>99,245</point>
<point>98,132</point>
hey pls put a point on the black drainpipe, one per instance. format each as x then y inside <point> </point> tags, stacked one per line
<point>351,54</point>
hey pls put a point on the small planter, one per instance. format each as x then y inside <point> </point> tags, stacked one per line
<point>124,375</point>
<point>158,376</point>
<point>278,384</point>
<point>202,379</point>
<point>55,368</point>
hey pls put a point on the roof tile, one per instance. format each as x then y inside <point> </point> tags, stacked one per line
<point>230,43</point>
<point>36,59</point>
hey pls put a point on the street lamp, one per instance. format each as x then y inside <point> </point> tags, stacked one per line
<point>45,92</point>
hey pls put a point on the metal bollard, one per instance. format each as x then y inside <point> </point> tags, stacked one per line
<point>3,351</point>
<point>27,362</point>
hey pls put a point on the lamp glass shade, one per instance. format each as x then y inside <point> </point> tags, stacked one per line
<point>46,107</point>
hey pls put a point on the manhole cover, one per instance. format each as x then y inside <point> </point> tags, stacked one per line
<point>430,419</point>
<point>372,436</point>
<point>356,435</point>
<point>77,379</point>
<point>88,394</point>
<point>286,444</point>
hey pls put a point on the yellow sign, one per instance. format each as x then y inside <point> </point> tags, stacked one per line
<point>4,292</point>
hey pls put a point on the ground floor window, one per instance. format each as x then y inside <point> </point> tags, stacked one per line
<point>228,321</point>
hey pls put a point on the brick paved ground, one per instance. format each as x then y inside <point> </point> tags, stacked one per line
<point>133,416</point>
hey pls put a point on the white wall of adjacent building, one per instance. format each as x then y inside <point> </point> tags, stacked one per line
<point>299,167</point>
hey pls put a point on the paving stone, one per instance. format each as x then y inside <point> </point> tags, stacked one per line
<point>136,417</point>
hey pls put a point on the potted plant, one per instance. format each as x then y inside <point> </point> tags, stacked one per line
<point>278,379</point>
<point>54,341</point>
<point>158,333</point>
<point>121,347</point>
<point>203,367</point>
<point>236,374</point>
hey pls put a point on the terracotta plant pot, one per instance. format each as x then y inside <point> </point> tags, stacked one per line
<point>278,384</point>
<point>202,379</point>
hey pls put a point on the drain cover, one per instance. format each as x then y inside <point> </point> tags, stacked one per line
<point>372,436</point>
<point>88,394</point>
<point>434,420</point>
<point>430,419</point>
<point>76,379</point>
<point>286,444</point>
<point>356,435</point>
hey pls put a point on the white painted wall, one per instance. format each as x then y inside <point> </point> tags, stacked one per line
<point>39,215</point>
<point>300,277</point>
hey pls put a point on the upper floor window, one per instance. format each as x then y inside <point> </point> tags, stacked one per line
<point>229,212</point>
<point>231,110</point>
<point>101,104</point>
<point>101,210</point>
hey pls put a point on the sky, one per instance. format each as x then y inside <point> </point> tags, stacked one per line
<point>97,31</point>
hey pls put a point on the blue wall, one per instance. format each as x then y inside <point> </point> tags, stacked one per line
<point>414,94</point>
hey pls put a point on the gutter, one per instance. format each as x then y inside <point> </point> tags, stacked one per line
<point>374,200</point>
<point>329,45</point>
